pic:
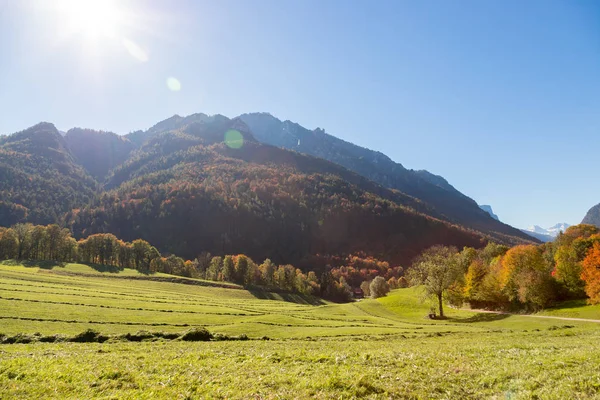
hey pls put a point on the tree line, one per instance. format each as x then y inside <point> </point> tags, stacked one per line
<point>525,277</point>
<point>53,243</point>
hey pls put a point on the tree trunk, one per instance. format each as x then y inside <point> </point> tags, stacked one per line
<point>441,305</point>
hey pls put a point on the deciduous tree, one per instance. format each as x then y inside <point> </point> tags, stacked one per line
<point>437,268</point>
<point>378,287</point>
<point>591,274</point>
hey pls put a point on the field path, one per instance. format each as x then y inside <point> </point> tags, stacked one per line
<point>532,316</point>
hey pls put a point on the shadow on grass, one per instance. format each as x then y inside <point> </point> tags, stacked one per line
<point>34,264</point>
<point>481,317</point>
<point>105,268</point>
<point>568,304</point>
<point>289,297</point>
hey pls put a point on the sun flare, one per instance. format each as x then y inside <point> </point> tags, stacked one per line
<point>92,18</point>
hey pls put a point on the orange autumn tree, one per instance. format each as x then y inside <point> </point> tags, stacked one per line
<point>591,274</point>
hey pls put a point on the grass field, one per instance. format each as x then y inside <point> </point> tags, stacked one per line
<point>382,348</point>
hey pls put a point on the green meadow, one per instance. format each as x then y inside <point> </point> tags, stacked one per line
<point>297,347</point>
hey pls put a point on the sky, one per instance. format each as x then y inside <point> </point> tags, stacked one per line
<point>502,98</point>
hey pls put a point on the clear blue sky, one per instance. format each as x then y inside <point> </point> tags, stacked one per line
<point>502,98</point>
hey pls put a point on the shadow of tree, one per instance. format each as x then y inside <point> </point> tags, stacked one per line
<point>482,317</point>
<point>285,296</point>
<point>105,268</point>
<point>569,304</point>
<point>34,264</point>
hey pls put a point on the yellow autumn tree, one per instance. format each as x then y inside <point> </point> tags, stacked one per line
<point>525,278</point>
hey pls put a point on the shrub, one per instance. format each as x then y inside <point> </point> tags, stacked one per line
<point>379,287</point>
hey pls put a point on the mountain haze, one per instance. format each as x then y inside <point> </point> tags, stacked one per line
<point>98,152</point>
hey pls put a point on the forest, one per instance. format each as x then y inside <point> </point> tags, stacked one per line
<point>27,242</point>
<point>524,277</point>
<point>521,278</point>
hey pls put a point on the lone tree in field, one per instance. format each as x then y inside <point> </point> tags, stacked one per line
<point>378,287</point>
<point>437,268</point>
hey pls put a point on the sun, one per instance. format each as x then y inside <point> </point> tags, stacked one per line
<point>92,18</point>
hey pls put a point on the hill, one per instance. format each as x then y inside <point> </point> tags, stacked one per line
<point>593,216</point>
<point>39,178</point>
<point>423,185</point>
<point>71,298</point>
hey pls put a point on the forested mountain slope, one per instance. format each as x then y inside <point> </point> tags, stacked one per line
<point>429,188</point>
<point>188,192</point>
<point>205,184</point>
<point>39,178</point>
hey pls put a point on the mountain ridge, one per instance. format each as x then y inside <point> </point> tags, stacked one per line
<point>430,188</point>
<point>186,187</point>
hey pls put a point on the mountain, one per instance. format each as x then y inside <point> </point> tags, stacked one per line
<point>188,191</point>
<point>546,235</point>
<point>539,236</point>
<point>206,184</point>
<point>39,178</point>
<point>556,229</point>
<point>448,203</point>
<point>98,152</point>
<point>488,209</point>
<point>173,123</point>
<point>593,216</point>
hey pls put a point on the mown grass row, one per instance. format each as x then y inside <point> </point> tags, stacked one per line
<point>93,336</point>
<point>55,303</point>
<point>49,303</point>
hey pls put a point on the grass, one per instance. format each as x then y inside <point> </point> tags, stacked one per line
<point>574,309</point>
<point>383,348</point>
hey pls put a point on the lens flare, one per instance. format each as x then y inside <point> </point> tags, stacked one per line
<point>135,51</point>
<point>173,84</point>
<point>234,139</point>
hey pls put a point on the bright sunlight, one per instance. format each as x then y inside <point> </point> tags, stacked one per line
<point>96,20</point>
<point>92,18</point>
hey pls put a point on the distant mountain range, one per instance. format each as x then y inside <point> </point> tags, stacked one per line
<point>252,184</point>
<point>546,235</point>
<point>593,216</point>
